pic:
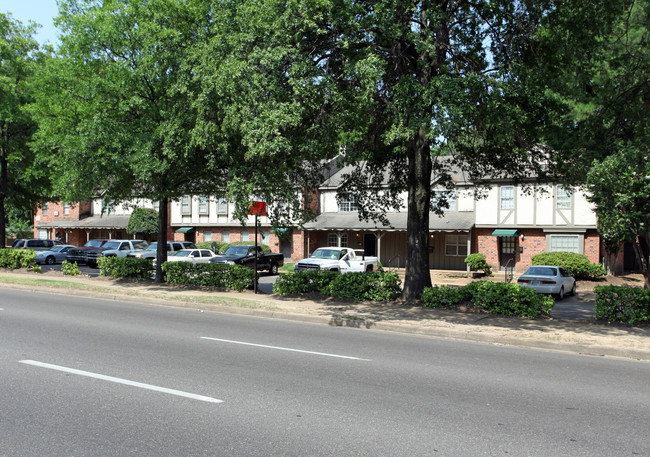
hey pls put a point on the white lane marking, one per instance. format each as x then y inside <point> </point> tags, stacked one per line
<point>285,349</point>
<point>122,381</point>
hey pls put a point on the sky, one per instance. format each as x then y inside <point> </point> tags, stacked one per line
<point>40,11</point>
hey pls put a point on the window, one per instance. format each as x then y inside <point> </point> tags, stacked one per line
<point>222,206</point>
<point>332,240</point>
<point>66,208</point>
<point>156,206</point>
<point>564,243</point>
<point>265,238</point>
<point>507,197</point>
<point>562,197</point>
<point>186,206</point>
<point>207,235</point>
<point>225,237</point>
<point>448,195</point>
<point>348,204</point>
<point>245,236</point>
<point>203,205</point>
<point>456,245</point>
<point>44,211</point>
<point>344,240</point>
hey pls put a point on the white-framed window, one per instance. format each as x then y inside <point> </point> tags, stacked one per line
<point>449,195</point>
<point>564,243</point>
<point>456,245</point>
<point>222,206</point>
<point>203,204</point>
<point>507,197</point>
<point>245,236</point>
<point>225,236</point>
<point>344,240</point>
<point>42,234</point>
<point>44,210</point>
<point>348,204</point>
<point>186,205</point>
<point>562,197</point>
<point>66,208</point>
<point>332,240</point>
<point>207,235</point>
<point>265,238</point>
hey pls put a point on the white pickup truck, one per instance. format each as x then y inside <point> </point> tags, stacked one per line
<point>343,260</point>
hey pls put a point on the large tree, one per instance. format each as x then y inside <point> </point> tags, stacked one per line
<point>22,180</point>
<point>398,86</point>
<point>113,107</point>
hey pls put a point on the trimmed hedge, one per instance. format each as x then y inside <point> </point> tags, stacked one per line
<point>628,305</point>
<point>495,297</point>
<point>17,258</point>
<point>366,286</point>
<point>576,264</point>
<point>478,262</point>
<point>125,267</point>
<point>70,268</point>
<point>235,277</point>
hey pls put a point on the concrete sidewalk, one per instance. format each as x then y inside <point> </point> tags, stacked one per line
<point>576,336</point>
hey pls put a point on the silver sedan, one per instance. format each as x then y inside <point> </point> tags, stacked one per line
<point>55,254</point>
<point>548,279</point>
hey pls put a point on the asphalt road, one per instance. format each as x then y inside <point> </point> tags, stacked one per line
<point>90,377</point>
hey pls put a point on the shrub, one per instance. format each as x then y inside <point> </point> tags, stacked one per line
<point>221,246</point>
<point>304,282</point>
<point>629,305</point>
<point>70,269</point>
<point>125,267</point>
<point>235,277</point>
<point>496,297</point>
<point>17,258</point>
<point>478,262</point>
<point>576,264</point>
<point>367,286</point>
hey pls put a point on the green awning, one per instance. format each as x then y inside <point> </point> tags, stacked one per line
<point>501,232</point>
<point>185,230</point>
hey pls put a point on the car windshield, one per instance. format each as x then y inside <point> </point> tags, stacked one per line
<point>326,254</point>
<point>19,244</point>
<point>182,253</point>
<point>236,250</point>
<point>94,244</point>
<point>112,244</point>
<point>152,247</point>
<point>140,245</point>
<point>57,248</point>
<point>541,271</point>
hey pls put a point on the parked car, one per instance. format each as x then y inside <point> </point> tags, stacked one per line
<point>243,254</point>
<point>151,251</point>
<point>548,279</point>
<point>80,255</point>
<point>35,244</point>
<point>114,248</point>
<point>191,255</point>
<point>343,260</point>
<point>55,254</point>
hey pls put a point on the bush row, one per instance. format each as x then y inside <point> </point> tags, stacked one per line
<point>496,297</point>
<point>368,286</point>
<point>628,305</point>
<point>576,264</point>
<point>235,277</point>
<point>222,246</point>
<point>125,267</point>
<point>17,258</point>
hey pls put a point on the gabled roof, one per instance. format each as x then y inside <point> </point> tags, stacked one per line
<point>104,222</point>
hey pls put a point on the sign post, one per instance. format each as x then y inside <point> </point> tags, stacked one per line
<point>256,209</point>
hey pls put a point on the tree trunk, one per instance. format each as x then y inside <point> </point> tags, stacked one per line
<point>418,275</point>
<point>161,253</point>
<point>4,185</point>
<point>642,250</point>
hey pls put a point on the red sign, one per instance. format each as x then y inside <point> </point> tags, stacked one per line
<point>257,209</point>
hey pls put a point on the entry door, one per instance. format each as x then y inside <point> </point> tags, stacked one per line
<point>370,245</point>
<point>507,249</point>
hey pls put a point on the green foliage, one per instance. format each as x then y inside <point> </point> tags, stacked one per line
<point>478,262</point>
<point>125,267</point>
<point>19,228</point>
<point>576,264</point>
<point>17,258</point>
<point>367,286</point>
<point>222,246</point>
<point>629,305</point>
<point>143,220</point>
<point>235,277</point>
<point>37,269</point>
<point>495,297</point>
<point>70,268</point>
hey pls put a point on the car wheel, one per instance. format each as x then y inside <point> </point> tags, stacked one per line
<point>273,269</point>
<point>50,260</point>
<point>573,289</point>
<point>560,296</point>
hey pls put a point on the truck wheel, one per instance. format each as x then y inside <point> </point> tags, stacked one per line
<point>369,268</point>
<point>273,269</point>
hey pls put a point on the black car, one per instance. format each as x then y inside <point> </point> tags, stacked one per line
<point>80,255</point>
